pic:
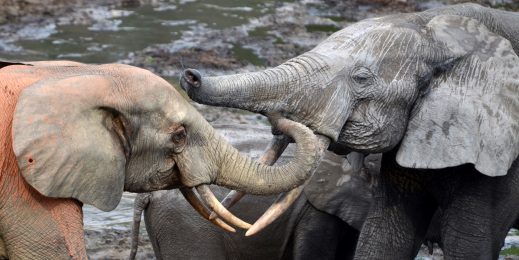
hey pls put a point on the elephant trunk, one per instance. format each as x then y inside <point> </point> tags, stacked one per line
<point>304,89</point>
<point>267,91</point>
<point>240,172</point>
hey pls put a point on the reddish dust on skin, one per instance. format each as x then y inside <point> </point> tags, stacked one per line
<point>22,206</point>
<point>69,217</point>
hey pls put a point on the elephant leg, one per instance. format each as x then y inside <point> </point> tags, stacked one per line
<point>478,214</point>
<point>399,216</point>
<point>319,235</point>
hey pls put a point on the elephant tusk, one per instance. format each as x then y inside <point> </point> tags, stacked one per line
<point>191,197</point>
<point>232,198</point>
<point>276,147</point>
<point>281,204</point>
<point>284,201</point>
<point>208,196</point>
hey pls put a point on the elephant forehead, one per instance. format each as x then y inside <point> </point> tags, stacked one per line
<point>349,37</point>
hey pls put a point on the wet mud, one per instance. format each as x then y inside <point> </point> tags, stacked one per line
<point>220,37</point>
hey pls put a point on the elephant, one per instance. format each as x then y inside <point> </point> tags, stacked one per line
<point>321,221</point>
<point>74,133</point>
<point>436,92</point>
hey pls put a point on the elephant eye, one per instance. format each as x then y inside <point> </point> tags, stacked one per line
<point>362,76</point>
<point>178,137</point>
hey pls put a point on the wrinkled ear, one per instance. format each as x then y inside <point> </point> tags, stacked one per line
<point>470,114</point>
<point>67,140</point>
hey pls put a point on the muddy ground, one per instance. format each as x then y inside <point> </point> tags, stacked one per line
<point>294,27</point>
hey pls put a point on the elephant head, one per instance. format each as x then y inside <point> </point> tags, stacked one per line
<point>439,86</point>
<point>91,131</point>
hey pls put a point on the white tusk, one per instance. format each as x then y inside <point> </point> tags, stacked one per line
<point>276,147</point>
<point>202,210</point>
<point>284,201</point>
<point>213,203</point>
<point>232,198</point>
<point>281,204</point>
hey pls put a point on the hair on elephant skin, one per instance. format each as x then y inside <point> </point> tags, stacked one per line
<point>437,92</point>
<point>323,223</point>
<point>73,133</point>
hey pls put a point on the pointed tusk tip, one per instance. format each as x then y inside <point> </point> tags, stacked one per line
<point>232,230</point>
<point>250,232</point>
<point>208,197</point>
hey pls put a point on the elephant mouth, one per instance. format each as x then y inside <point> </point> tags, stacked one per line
<point>165,179</point>
<point>175,176</point>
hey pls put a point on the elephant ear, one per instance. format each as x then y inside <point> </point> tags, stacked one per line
<point>470,112</point>
<point>66,142</point>
<point>338,190</point>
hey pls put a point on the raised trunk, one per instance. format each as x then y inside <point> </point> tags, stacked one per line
<point>303,89</point>
<point>240,172</point>
<point>273,90</point>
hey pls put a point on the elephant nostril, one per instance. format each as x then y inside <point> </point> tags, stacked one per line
<point>193,77</point>
<point>31,160</point>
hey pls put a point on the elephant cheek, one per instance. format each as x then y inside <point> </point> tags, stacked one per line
<point>168,181</point>
<point>192,172</point>
<point>160,177</point>
<point>167,177</point>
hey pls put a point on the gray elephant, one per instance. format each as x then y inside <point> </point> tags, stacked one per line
<point>322,223</point>
<point>73,133</point>
<point>436,92</point>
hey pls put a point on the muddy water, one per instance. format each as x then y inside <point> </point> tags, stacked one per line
<point>102,35</point>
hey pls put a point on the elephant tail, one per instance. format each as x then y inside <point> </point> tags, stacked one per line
<point>141,202</point>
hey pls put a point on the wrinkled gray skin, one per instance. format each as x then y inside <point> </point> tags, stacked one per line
<point>322,224</point>
<point>436,92</point>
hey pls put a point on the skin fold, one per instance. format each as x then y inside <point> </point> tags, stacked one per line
<point>74,133</point>
<point>436,93</point>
